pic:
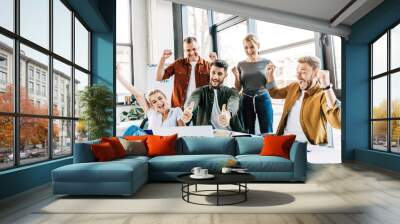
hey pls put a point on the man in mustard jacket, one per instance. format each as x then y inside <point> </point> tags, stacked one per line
<point>309,102</point>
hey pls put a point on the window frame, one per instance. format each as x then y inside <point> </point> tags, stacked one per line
<point>388,74</point>
<point>16,114</point>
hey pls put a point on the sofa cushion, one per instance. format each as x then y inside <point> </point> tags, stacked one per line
<point>83,152</point>
<point>194,145</point>
<point>112,171</point>
<point>257,163</point>
<point>103,152</point>
<point>277,145</point>
<point>116,145</point>
<point>161,145</point>
<point>249,145</point>
<point>134,147</point>
<point>185,163</point>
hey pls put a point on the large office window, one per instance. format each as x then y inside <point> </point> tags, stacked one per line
<point>198,25</point>
<point>230,47</point>
<point>124,46</point>
<point>40,80</point>
<point>385,96</point>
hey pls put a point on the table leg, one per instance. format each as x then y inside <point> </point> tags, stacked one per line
<point>245,193</point>
<point>196,188</point>
<point>188,190</point>
<point>217,194</point>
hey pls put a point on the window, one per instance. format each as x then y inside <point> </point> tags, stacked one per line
<point>3,72</point>
<point>45,131</point>
<point>63,73</point>
<point>198,26</point>
<point>3,61</point>
<point>81,81</point>
<point>37,89</point>
<point>124,46</point>
<point>62,29</point>
<point>33,139</point>
<point>34,21</point>
<point>6,142</point>
<point>337,50</point>
<point>62,137</point>
<point>30,72</point>
<point>6,73</point>
<point>37,74</point>
<point>3,78</point>
<point>81,45</point>
<point>30,87</point>
<point>7,14</point>
<point>123,21</point>
<point>44,91</point>
<point>219,17</point>
<point>230,47</point>
<point>39,62</point>
<point>385,97</point>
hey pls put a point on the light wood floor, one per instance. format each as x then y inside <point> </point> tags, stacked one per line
<point>378,188</point>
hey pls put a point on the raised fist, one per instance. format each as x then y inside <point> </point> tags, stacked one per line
<point>235,72</point>
<point>212,56</point>
<point>166,54</point>
<point>323,77</point>
<point>270,69</point>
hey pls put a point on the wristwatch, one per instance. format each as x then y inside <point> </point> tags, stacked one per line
<point>327,87</point>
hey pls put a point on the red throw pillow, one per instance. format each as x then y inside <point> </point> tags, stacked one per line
<point>103,152</point>
<point>116,145</point>
<point>275,145</point>
<point>161,145</point>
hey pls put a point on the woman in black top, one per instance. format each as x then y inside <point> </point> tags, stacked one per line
<point>250,77</point>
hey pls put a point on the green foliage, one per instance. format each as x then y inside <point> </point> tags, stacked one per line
<point>96,102</point>
<point>135,113</point>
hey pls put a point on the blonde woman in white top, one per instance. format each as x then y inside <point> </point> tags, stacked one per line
<point>156,107</point>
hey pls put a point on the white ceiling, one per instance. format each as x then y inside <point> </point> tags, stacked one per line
<point>316,15</point>
<point>320,9</point>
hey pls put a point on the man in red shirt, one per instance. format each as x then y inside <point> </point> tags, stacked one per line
<point>190,72</point>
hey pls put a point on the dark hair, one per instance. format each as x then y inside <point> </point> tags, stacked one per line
<point>220,64</point>
<point>189,40</point>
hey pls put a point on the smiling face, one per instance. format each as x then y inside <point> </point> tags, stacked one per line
<point>217,76</point>
<point>191,50</point>
<point>250,48</point>
<point>305,75</point>
<point>158,102</point>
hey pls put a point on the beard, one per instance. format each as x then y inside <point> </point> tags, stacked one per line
<point>305,84</point>
<point>193,56</point>
<point>215,83</point>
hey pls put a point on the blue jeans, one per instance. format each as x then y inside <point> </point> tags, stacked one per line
<point>263,109</point>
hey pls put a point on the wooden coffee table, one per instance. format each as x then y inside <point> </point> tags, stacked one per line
<point>238,179</point>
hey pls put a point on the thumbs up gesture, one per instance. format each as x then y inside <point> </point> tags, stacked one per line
<point>224,117</point>
<point>188,113</point>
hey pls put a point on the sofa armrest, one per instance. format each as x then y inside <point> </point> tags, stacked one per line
<point>298,155</point>
<point>83,152</point>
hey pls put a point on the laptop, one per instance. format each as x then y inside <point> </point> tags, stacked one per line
<point>205,131</point>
